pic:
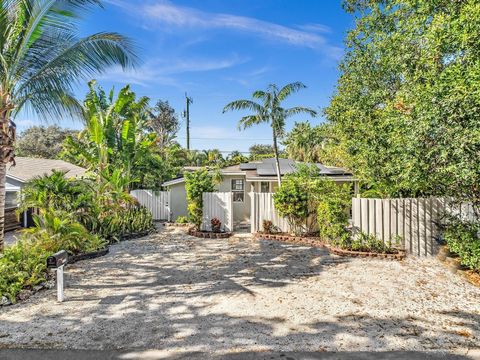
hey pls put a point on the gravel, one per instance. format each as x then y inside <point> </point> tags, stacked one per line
<point>180,294</point>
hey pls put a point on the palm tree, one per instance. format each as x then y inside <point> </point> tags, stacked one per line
<point>42,59</point>
<point>271,112</point>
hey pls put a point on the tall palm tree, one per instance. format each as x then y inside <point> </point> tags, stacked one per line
<point>42,59</point>
<point>271,112</point>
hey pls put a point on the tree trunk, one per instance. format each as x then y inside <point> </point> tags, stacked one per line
<point>7,140</point>
<point>275,151</point>
<point>3,173</point>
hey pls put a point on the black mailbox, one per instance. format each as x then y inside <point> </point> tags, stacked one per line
<point>57,260</point>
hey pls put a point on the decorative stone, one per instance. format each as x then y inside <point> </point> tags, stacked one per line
<point>24,295</point>
<point>4,301</point>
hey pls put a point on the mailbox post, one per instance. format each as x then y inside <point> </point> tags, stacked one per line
<point>57,261</point>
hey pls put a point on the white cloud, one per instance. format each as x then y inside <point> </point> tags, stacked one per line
<point>162,71</point>
<point>165,13</point>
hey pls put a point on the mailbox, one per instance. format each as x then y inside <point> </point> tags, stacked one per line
<point>57,260</point>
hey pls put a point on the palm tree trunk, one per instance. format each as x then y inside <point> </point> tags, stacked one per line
<point>3,173</point>
<point>275,151</point>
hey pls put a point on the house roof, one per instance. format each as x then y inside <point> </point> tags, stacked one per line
<point>265,169</point>
<point>27,168</point>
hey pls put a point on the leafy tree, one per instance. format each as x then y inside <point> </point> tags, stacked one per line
<point>406,105</point>
<point>42,142</point>
<point>271,112</point>
<point>164,122</point>
<point>260,149</point>
<point>115,137</point>
<point>313,144</point>
<point>41,60</point>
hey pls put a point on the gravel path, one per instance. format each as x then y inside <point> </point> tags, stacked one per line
<point>181,294</point>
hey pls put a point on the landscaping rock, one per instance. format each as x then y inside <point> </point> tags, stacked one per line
<point>24,295</point>
<point>4,301</point>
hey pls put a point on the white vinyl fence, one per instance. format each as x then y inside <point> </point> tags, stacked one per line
<point>263,208</point>
<point>158,202</point>
<point>217,205</point>
<point>413,220</point>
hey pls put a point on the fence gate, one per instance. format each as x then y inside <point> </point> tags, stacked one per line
<point>263,208</point>
<point>158,202</point>
<point>217,205</point>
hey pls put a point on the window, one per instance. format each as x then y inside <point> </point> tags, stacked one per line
<point>264,187</point>
<point>238,190</point>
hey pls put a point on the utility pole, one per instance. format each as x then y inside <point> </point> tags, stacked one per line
<point>186,115</point>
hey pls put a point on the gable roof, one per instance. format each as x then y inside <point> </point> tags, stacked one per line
<point>27,168</point>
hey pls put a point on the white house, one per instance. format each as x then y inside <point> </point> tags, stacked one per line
<point>26,169</point>
<point>244,179</point>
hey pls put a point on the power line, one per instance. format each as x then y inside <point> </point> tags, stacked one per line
<point>223,138</point>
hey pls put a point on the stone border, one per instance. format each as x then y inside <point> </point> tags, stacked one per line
<point>92,255</point>
<point>209,234</point>
<point>316,242</point>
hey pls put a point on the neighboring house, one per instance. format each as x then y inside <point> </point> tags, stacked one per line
<point>244,179</point>
<point>25,170</point>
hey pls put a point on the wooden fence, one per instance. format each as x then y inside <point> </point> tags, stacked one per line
<point>414,221</point>
<point>263,208</point>
<point>217,205</point>
<point>158,202</point>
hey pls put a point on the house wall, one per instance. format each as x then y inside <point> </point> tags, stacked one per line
<point>241,211</point>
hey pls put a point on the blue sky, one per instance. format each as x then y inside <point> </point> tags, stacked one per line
<point>219,51</point>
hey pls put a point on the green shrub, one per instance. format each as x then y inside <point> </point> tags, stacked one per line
<point>333,211</point>
<point>196,183</point>
<point>366,243</point>
<point>22,265</point>
<point>182,220</point>
<point>463,239</point>
<point>54,231</point>
<point>117,224</point>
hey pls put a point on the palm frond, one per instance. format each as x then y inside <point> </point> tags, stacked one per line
<point>250,120</point>
<point>300,110</point>
<point>244,105</point>
<point>289,89</point>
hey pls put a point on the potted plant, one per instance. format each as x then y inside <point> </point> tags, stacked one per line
<point>216,225</point>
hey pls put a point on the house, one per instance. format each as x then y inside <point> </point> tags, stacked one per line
<point>22,172</point>
<point>247,178</point>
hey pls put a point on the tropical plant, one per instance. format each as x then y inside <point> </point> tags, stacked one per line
<point>196,183</point>
<point>270,111</point>
<point>181,220</point>
<point>235,158</point>
<point>116,137</point>
<point>41,60</point>
<point>216,225</point>
<point>260,151</point>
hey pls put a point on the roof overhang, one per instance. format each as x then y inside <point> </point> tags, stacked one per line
<point>337,178</point>
<point>23,181</point>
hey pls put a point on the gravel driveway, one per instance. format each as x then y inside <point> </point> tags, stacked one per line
<point>184,295</point>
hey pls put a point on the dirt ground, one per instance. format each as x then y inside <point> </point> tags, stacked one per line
<point>180,294</point>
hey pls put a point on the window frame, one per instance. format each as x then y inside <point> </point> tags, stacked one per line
<point>234,190</point>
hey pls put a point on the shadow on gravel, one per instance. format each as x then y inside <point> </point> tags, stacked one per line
<point>150,306</point>
<point>159,355</point>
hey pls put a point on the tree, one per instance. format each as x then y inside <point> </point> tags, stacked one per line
<point>270,111</point>
<point>42,142</point>
<point>260,150</point>
<point>164,122</point>
<point>235,158</point>
<point>116,137</point>
<point>406,104</point>
<point>41,59</point>
<point>316,144</point>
